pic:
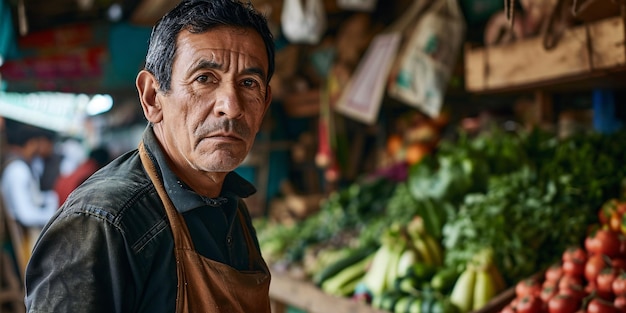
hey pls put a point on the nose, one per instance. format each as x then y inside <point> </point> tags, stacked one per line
<point>228,102</point>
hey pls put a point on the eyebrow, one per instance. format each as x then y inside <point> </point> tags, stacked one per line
<point>207,64</point>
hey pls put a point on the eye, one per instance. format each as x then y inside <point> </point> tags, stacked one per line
<point>205,79</point>
<point>250,83</point>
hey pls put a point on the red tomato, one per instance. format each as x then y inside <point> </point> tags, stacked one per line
<point>615,222</point>
<point>620,303</point>
<point>568,281</point>
<point>597,305</point>
<point>554,273</point>
<point>563,303</point>
<point>603,241</point>
<point>577,291</point>
<point>594,266</point>
<point>619,285</point>
<point>529,304</point>
<point>549,289</point>
<point>619,264</point>
<point>604,283</point>
<point>528,286</point>
<point>622,246</point>
<point>508,309</point>
<point>574,253</point>
<point>574,268</point>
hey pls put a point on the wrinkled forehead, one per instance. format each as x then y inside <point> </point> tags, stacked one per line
<point>229,47</point>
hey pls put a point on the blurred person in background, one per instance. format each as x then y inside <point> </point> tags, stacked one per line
<point>24,200</point>
<point>47,164</point>
<point>65,184</point>
<point>165,228</point>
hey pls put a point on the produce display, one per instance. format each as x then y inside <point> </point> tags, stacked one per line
<point>588,278</point>
<point>490,211</point>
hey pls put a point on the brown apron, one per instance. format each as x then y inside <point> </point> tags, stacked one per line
<point>204,285</point>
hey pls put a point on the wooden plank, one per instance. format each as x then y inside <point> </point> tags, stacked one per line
<point>306,296</point>
<point>528,63</point>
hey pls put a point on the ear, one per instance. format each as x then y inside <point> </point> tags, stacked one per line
<point>147,87</point>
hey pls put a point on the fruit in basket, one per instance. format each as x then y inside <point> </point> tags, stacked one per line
<point>594,266</point>
<point>529,304</point>
<point>604,282</point>
<point>598,305</point>
<point>619,285</point>
<point>563,303</point>
<point>528,286</point>
<point>603,241</point>
<point>620,303</point>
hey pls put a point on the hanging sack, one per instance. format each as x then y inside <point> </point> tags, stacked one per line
<point>303,23</point>
<point>362,96</point>
<point>357,5</point>
<point>424,65</point>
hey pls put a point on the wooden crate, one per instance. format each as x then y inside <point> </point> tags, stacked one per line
<point>583,54</point>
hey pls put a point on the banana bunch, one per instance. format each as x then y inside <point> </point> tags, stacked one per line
<point>478,283</point>
<point>402,246</point>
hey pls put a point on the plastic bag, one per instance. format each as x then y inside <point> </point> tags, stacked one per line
<point>425,63</point>
<point>303,23</point>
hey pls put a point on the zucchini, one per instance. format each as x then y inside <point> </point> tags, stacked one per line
<point>332,269</point>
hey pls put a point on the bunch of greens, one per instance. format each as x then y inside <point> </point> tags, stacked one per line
<point>530,212</point>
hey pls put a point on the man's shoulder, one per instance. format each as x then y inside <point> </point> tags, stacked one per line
<point>113,189</point>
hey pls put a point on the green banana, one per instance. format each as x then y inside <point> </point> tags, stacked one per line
<point>424,252</point>
<point>434,248</point>
<point>462,295</point>
<point>484,289</point>
<point>497,277</point>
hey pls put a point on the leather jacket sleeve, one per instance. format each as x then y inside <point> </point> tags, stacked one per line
<point>72,277</point>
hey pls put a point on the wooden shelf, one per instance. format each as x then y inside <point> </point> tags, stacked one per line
<point>585,57</point>
<point>286,290</point>
<point>306,296</point>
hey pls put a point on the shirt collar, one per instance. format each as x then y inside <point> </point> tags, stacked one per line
<point>183,197</point>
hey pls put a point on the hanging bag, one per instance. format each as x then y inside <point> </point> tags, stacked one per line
<point>424,65</point>
<point>362,97</point>
<point>303,23</point>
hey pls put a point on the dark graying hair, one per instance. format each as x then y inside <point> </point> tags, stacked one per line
<point>197,16</point>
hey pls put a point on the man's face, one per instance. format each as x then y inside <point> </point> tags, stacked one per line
<point>217,100</point>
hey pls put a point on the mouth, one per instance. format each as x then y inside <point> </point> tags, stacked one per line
<point>228,137</point>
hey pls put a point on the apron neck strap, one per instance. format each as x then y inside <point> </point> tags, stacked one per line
<point>182,239</point>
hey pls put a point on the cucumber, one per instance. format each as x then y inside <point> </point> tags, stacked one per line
<point>416,306</point>
<point>444,279</point>
<point>344,282</point>
<point>332,269</point>
<point>403,304</point>
<point>408,285</point>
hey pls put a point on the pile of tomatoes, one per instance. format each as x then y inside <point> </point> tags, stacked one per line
<point>589,278</point>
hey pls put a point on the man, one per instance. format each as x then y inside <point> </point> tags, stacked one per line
<point>26,203</point>
<point>65,184</point>
<point>164,228</point>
